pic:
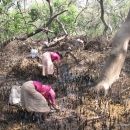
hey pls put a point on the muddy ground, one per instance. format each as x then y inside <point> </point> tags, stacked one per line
<point>78,68</point>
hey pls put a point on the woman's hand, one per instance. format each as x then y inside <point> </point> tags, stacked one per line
<point>57,108</point>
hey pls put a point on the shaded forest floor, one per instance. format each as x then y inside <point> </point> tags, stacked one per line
<point>78,68</point>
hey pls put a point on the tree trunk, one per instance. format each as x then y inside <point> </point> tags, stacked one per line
<point>111,70</point>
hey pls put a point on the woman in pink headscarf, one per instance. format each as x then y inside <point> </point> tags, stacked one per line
<point>35,94</point>
<point>47,62</point>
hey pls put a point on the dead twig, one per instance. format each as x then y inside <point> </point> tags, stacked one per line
<point>125,90</point>
<point>86,120</point>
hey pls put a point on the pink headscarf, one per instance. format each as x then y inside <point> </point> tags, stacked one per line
<point>45,90</point>
<point>55,56</point>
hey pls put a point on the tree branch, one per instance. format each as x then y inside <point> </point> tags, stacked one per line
<point>18,5</point>
<point>50,7</point>
<point>41,28</point>
<point>36,31</point>
<point>102,17</point>
<point>50,20</point>
<point>63,27</point>
<point>79,14</point>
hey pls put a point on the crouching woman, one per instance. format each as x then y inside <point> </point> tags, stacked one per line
<point>36,96</point>
<point>48,67</point>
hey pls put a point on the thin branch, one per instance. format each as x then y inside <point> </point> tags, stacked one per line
<point>57,40</point>
<point>63,27</point>
<point>21,12</point>
<point>102,17</point>
<point>44,29</point>
<point>54,16</point>
<point>70,3</point>
<point>79,14</point>
<point>125,90</point>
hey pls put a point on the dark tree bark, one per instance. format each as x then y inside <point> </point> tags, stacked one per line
<point>111,70</point>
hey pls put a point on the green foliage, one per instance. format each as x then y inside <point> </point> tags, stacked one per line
<point>1,9</point>
<point>5,2</point>
<point>115,20</point>
<point>20,26</point>
<point>67,19</point>
<point>34,14</point>
<point>39,35</point>
<point>61,4</point>
<point>13,23</point>
<point>94,32</point>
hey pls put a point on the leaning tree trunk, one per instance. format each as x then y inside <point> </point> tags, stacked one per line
<point>110,72</point>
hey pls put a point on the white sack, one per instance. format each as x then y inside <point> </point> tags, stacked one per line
<point>15,94</point>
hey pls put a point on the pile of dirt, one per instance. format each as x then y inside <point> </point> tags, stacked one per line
<point>26,67</point>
